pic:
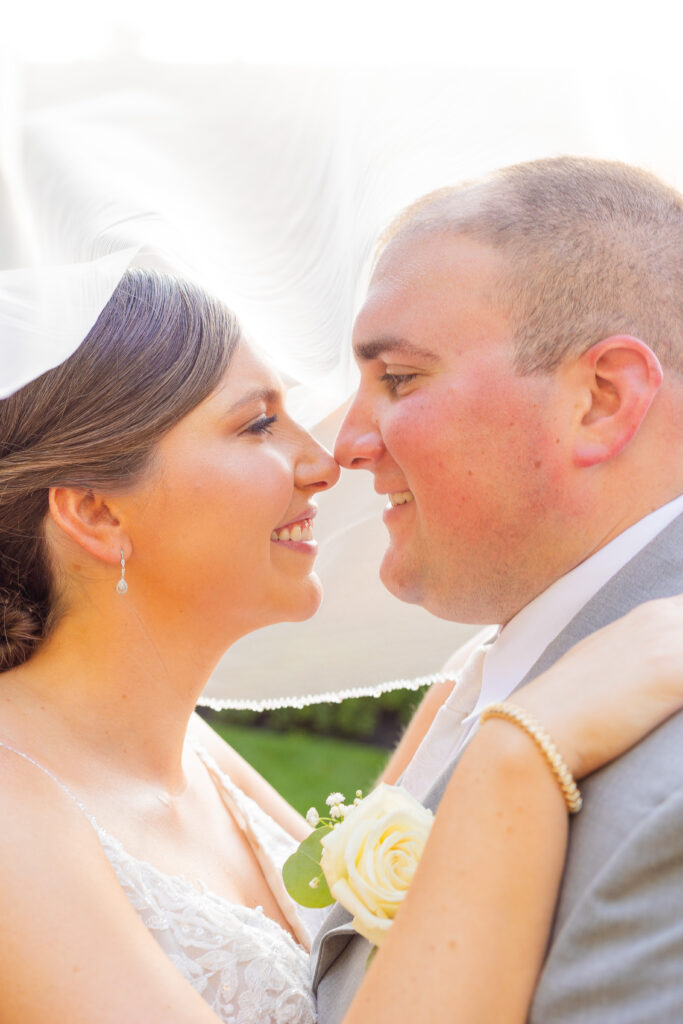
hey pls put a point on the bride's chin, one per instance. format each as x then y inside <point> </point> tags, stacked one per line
<point>306,603</point>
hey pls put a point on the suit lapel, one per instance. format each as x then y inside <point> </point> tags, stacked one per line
<point>331,941</point>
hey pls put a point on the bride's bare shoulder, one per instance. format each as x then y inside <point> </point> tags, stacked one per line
<point>36,810</point>
<point>73,947</point>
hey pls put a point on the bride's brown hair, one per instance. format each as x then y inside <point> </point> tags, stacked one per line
<point>159,347</point>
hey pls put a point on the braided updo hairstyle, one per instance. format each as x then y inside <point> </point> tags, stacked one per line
<point>159,347</point>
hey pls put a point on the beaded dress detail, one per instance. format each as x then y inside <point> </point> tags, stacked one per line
<point>247,968</point>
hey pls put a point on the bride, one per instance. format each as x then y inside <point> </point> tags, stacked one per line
<point>156,504</point>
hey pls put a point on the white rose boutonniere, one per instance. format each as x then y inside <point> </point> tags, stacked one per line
<point>368,858</point>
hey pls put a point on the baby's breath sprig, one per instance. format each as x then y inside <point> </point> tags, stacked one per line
<point>338,809</point>
<point>302,874</point>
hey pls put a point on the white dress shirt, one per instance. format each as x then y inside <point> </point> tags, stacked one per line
<point>520,643</point>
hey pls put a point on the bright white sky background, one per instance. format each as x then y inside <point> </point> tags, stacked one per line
<point>272,141</point>
<point>524,34</point>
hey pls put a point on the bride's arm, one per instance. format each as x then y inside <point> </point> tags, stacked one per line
<point>469,942</point>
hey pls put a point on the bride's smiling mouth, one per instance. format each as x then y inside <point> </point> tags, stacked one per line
<point>298,533</point>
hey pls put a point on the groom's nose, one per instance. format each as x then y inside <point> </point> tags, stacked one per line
<point>359,442</point>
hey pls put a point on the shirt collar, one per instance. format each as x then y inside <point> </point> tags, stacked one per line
<point>523,639</point>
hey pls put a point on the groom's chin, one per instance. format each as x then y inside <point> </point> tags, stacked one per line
<point>401,580</point>
<point>413,583</point>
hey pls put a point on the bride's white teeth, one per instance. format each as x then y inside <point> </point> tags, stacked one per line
<point>300,531</point>
<point>401,497</point>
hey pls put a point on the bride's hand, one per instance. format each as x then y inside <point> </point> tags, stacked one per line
<point>613,688</point>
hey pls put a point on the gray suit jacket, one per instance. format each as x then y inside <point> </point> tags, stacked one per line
<point>616,951</point>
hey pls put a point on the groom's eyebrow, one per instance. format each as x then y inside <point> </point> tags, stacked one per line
<point>365,351</point>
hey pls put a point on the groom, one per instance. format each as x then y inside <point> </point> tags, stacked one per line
<point>521,405</point>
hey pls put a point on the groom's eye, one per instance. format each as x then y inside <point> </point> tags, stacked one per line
<point>395,380</point>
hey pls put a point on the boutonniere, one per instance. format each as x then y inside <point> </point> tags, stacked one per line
<point>363,855</point>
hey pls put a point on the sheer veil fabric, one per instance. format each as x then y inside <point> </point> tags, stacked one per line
<point>269,185</point>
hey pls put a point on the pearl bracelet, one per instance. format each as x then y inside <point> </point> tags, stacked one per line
<point>558,767</point>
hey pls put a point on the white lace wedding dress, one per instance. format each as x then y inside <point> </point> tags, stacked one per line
<point>247,968</point>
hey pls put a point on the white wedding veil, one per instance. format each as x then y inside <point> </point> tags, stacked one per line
<point>269,185</point>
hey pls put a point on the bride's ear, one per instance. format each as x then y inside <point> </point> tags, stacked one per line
<point>85,517</point>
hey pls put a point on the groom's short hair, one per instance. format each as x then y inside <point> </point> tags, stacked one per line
<point>590,248</point>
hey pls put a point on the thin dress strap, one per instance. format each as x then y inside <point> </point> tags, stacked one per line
<point>245,813</point>
<point>46,771</point>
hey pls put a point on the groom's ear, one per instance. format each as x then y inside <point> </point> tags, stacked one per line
<point>616,380</point>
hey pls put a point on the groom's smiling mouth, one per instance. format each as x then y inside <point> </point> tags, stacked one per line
<point>400,498</point>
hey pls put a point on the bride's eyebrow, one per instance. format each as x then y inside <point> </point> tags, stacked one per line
<point>269,395</point>
<point>365,351</point>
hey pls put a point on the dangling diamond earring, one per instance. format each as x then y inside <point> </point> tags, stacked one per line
<point>122,586</point>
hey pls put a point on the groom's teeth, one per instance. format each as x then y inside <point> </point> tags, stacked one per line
<point>401,497</point>
<point>300,531</point>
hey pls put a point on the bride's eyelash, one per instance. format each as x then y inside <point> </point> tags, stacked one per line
<point>394,380</point>
<point>261,425</point>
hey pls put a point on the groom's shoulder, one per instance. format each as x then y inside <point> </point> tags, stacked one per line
<point>619,798</point>
<point>618,931</point>
<point>625,792</point>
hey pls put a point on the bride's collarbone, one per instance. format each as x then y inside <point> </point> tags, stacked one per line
<point>191,834</point>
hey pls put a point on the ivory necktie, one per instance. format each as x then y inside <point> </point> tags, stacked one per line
<point>447,732</point>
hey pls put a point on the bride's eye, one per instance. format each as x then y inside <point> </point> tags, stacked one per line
<point>262,425</point>
<point>395,380</point>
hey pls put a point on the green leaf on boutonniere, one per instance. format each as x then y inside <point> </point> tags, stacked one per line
<point>303,877</point>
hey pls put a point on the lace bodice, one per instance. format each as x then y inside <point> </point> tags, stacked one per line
<point>247,968</point>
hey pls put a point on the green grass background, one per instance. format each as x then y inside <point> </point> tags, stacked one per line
<point>305,767</point>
